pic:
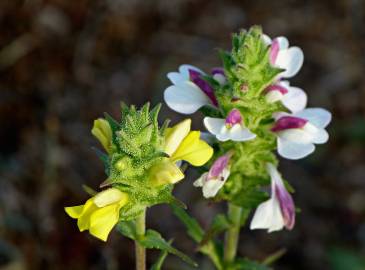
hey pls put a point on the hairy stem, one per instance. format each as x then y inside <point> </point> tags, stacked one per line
<point>140,250</point>
<point>232,235</point>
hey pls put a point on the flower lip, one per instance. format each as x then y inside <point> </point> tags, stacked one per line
<point>234,117</point>
<point>276,87</point>
<point>284,198</point>
<point>274,51</point>
<point>288,122</point>
<point>195,77</point>
<point>286,206</point>
<point>218,166</point>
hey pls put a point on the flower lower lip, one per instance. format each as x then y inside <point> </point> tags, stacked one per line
<point>288,122</point>
<point>195,77</point>
<point>277,87</point>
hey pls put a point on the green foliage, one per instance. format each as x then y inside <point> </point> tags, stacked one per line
<point>161,259</point>
<point>193,228</point>
<point>152,240</point>
<point>212,249</point>
<point>137,144</point>
<point>246,264</point>
<point>220,224</point>
<point>344,259</point>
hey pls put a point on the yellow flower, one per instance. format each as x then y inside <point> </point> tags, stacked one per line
<point>180,144</point>
<point>103,132</point>
<point>100,213</point>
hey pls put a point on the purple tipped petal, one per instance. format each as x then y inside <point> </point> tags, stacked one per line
<point>277,87</point>
<point>274,50</point>
<point>218,70</point>
<point>286,205</point>
<point>218,166</point>
<point>288,122</point>
<point>234,117</point>
<point>195,77</point>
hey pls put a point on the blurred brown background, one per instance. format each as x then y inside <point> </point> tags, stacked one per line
<point>64,62</point>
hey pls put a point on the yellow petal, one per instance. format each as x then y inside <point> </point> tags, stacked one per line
<point>74,211</point>
<point>193,150</point>
<point>103,132</point>
<point>175,135</point>
<point>165,173</point>
<point>110,196</point>
<point>103,220</point>
<point>83,221</point>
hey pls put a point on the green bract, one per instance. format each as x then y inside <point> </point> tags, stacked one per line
<point>137,145</point>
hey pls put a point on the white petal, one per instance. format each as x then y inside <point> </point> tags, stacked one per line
<point>268,216</point>
<point>317,116</point>
<point>295,100</point>
<point>275,176</point>
<point>274,96</point>
<point>292,150</point>
<point>200,181</point>
<point>211,188</point>
<point>220,78</point>
<point>321,136</point>
<point>267,40</point>
<point>223,135</point>
<point>278,115</point>
<point>214,125</point>
<point>184,70</point>
<point>283,42</point>
<point>186,98</point>
<point>176,78</point>
<point>291,60</point>
<point>297,135</point>
<point>239,133</point>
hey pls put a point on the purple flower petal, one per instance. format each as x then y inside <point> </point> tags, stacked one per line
<point>286,205</point>
<point>288,122</point>
<point>277,87</point>
<point>274,50</point>
<point>234,117</point>
<point>218,166</point>
<point>195,77</point>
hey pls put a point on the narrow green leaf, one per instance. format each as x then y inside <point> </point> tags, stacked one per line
<point>246,264</point>
<point>153,239</point>
<point>161,259</point>
<point>193,227</point>
<point>104,158</point>
<point>220,223</point>
<point>128,229</point>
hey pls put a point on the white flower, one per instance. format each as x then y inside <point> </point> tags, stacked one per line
<point>297,133</point>
<point>279,210</point>
<point>231,128</point>
<point>190,91</point>
<point>212,181</point>
<point>293,98</point>
<point>283,56</point>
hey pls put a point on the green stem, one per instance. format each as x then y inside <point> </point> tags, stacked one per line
<point>232,235</point>
<point>140,250</point>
